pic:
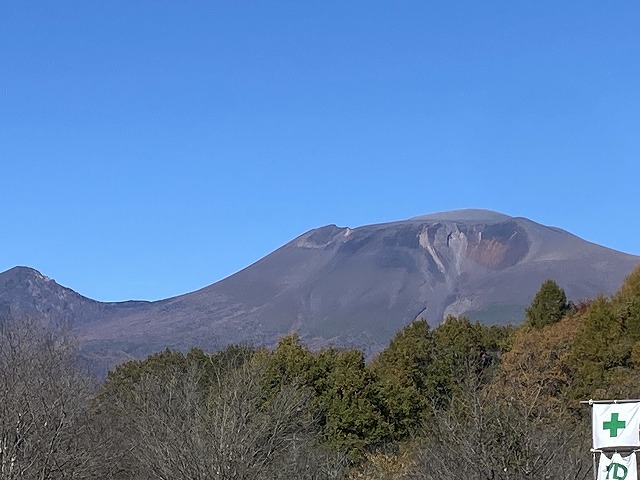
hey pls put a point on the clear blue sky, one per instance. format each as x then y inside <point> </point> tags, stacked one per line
<point>150,148</point>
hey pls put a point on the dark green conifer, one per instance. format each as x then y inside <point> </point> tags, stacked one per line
<point>548,306</point>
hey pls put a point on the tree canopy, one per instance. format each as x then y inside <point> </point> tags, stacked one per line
<point>508,394</point>
<point>548,306</point>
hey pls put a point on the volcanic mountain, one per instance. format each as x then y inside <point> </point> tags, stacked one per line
<point>342,286</point>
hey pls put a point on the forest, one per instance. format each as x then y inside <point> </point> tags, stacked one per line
<point>461,400</point>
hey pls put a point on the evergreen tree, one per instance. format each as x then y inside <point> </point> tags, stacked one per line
<point>466,349</point>
<point>406,378</point>
<point>346,402</point>
<point>548,306</point>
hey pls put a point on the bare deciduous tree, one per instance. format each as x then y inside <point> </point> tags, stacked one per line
<point>489,437</point>
<point>179,431</point>
<point>44,424</point>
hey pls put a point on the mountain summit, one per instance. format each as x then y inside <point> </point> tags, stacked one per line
<point>345,286</point>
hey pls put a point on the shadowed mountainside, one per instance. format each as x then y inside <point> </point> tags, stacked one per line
<point>342,286</point>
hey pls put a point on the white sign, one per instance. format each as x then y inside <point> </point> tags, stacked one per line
<point>616,424</point>
<point>618,467</point>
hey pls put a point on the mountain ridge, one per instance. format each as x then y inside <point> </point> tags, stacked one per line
<point>343,286</point>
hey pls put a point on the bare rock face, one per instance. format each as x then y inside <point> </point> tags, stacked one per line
<point>344,286</point>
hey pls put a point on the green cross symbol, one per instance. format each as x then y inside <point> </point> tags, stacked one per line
<point>613,425</point>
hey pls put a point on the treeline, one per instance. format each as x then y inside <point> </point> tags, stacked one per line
<point>462,400</point>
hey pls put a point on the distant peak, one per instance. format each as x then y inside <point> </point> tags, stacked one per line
<point>22,271</point>
<point>466,215</point>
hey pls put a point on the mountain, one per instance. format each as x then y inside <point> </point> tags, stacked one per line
<point>343,286</point>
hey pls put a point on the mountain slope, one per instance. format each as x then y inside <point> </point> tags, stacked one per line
<point>348,286</point>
